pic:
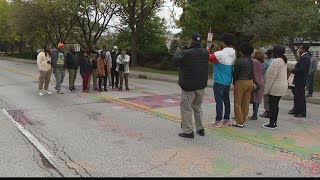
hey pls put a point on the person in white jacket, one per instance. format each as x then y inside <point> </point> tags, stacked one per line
<point>123,68</point>
<point>44,65</point>
<point>276,84</point>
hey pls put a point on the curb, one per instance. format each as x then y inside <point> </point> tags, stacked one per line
<point>311,100</point>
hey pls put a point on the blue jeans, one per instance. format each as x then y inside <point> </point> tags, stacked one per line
<point>310,83</point>
<point>221,96</point>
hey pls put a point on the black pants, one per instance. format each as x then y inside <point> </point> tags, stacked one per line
<point>114,78</point>
<point>300,101</point>
<point>293,109</point>
<point>274,108</point>
<point>101,78</point>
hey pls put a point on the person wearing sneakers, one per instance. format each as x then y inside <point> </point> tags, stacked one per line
<point>59,66</point>
<point>276,83</point>
<point>193,79</point>
<point>45,70</point>
<point>223,61</point>
<point>243,84</point>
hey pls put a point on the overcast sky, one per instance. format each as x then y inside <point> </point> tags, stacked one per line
<point>169,10</point>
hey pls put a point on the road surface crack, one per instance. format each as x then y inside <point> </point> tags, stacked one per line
<point>163,164</point>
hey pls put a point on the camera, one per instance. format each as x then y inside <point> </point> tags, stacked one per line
<point>49,62</point>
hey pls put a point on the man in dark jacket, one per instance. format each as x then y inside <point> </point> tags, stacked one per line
<point>114,73</point>
<point>193,78</point>
<point>301,72</point>
<point>59,66</point>
<point>72,60</point>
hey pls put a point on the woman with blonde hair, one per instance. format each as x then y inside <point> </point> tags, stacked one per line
<point>257,93</point>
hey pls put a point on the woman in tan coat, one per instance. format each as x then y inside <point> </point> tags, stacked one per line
<point>276,84</point>
<point>45,70</point>
<point>101,69</point>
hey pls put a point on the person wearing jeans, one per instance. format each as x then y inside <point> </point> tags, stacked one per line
<point>59,66</point>
<point>45,70</point>
<point>265,67</point>
<point>276,84</point>
<point>223,61</point>
<point>221,96</point>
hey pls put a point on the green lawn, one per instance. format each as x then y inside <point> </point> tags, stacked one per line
<point>317,81</point>
<point>153,70</point>
<point>167,72</point>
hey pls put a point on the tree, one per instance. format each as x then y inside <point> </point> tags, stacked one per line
<point>283,22</point>
<point>173,46</point>
<point>221,16</point>
<point>152,41</point>
<point>51,19</point>
<point>93,19</point>
<point>135,13</point>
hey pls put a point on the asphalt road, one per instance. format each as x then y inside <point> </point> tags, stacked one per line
<point>135,134</point>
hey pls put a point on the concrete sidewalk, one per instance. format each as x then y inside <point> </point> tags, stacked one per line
<point>174,79</point>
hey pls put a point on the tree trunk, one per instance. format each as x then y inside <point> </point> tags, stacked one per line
<point>12,49</point>
<point>294,51</point>
<point>134,51</point>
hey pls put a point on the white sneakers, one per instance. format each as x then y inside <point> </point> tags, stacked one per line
<point>47,92</point>
<point>41,93</point>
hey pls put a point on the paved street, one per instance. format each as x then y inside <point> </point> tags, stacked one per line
<point>135,134</point>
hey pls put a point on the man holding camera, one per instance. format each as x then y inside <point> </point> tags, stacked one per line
<point>59,66</point>
<point>193,78</point>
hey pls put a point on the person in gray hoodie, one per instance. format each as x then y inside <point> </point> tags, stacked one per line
<point>59,66</point>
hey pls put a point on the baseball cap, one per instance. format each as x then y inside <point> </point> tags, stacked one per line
<point>196,37</point>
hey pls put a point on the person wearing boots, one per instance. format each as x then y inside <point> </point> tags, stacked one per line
<point>101,70</point>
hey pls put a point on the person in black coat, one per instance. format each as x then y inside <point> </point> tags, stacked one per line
<point>114,74</point>
<point>301,72</point>
<point>73,61</point>
<point>193,78</point>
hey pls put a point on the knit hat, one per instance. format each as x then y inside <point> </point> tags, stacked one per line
<point>60,45</point>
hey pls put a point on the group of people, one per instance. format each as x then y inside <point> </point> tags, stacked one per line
<point>255,75</point>
<point>102,66</point>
